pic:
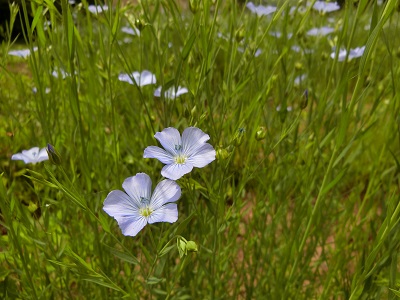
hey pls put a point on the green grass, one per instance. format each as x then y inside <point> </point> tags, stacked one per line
<point>309,212</point>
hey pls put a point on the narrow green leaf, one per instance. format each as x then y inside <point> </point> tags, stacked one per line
<point>100,281</point>
<point>397,293</point>
<point>154,280</point>
<point>165,250</point>
<point>36,18</point>
<point>188,46</point>
<point>127,257</point>
<point>337,178</point>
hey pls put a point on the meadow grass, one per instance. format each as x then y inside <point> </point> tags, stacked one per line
<point>302,201</point>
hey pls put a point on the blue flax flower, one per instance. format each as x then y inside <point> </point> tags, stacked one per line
<point>138,206</point>
<point>31,156</point>
<point>181,154</point>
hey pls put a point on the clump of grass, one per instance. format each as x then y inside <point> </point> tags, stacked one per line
<point>302,201</point>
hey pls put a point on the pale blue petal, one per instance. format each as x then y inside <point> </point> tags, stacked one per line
<point>180,91</point>
<point>136,77</point>
<point>19,156</point>
<point>138,187</point>
<point>192,139</point>
<point>146,77</point>
<point>131,225</point>
<point>43,155</point>
<point>125,77</point>
<point>203,156</point>
<point>176,171</point>
<point>167,213</point>
<point>166,191</point>
<point>160,154</point>
<point>119,204</point>
<point>157,92</point>
<point>169,138</point>
<point>31,153</point>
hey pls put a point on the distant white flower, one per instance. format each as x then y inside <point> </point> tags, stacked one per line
<point>299,79</point>
<point>22,53</point>
<point>289,108</point>
<point>325,7</point>
<point>278,34</point>
<point>301,10</point>
<point>261,10</point>
<point>46,25</point>
<point>325,30</point>
<point>60,72</point>
<point>256,54</point>
<point>141,79</point>
<point>341,56</point>
<point>354,53</point>
<point>96,9</point>
<point>130,30</point>
<point>31,156</point>
<point>125,40</point>
<point>298,49</point>
<point>181,154</point>
<point>138,206</point>
<point>35,90</point>
<point>222,36</point>
<point>171,93</point>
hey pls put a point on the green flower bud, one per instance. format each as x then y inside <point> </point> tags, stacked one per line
<point>54,156</point>
<point>239,35</point>
<point>203,117</point>
<point>194,5</point>
<point>140,24</point>
<point>304,102</point>
<point>238,138</point>
<point>222,154</point>
<point>298,66</point>
<point>193,111</point>
<point>261,133</point>
<point>191,246</point>
<point>181,245</point>
<point>185,246</point>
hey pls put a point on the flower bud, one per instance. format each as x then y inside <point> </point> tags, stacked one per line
<point>191,246</point>
<point>304,102</point>
<point>54,156</point>
<point>203,116</point>
<point>140,24</point>
<point>238,139</point>
<point>261,133</point>
<point>194,6</point>
<point>185,246</point>
<point>222,154</point>
<point>324,56</point>
<point>298,66</point>
<point>193,111</point>
<point>239,35</point>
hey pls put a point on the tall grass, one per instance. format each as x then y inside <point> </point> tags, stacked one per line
<point>302,201</point>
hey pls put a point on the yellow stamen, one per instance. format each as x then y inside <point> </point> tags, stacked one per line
<point>146,211</point>
<point>180,159</point>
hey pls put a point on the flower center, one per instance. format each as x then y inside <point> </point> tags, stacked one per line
<point>180,159</point>
<point>145,211</point>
